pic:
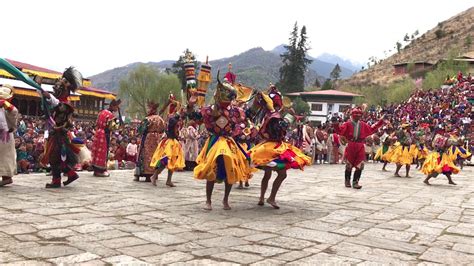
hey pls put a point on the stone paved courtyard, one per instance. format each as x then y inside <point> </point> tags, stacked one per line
<point>115,220</point>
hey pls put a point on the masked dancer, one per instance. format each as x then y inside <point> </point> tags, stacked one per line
<point>274,153</point>
<point>151,129</point>
<point>62,149</point>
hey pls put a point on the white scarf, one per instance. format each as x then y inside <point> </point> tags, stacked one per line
<point>4,134</point>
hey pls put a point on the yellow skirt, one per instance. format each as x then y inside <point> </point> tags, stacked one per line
<point>223,152</point>
<point>246,148</point>
<point>433,164</point>
<point>456,152</point>
<point>423,153</point>
<point>413,151</point>
<point>403,155</point>
<point>283,154</point>
<point>380,155</point>
<point>169,153</point>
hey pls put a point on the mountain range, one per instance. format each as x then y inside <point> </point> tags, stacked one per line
<point>324,63</point>
<point>255,68</point>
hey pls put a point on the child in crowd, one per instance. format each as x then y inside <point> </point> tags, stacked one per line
<point>22,159</point>
<point>132,150</point>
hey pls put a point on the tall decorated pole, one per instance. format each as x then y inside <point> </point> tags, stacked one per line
<point>204,79</point>
<point>189,74</point>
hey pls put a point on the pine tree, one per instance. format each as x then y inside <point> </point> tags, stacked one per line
<point>327,85</point>
<point>286,71</point>
<point>336,72</point>
<point>398,46</point>
<point>294,61</point>
<point>317,83</point>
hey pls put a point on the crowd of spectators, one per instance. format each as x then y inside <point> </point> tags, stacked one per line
<point>449,108</point>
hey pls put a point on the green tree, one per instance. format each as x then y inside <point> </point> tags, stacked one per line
<point>398,45</point>
<point>435,78</point>
<point>440,33</point>
<point>372,95</point>
<point>336,72</point>
<point>449,67</point>
<point>300,106</point>
<point>295,62</point>
<point>468,41</point>
<point>406,38</point>
<point>179,70</point>
<point>317,83</point>
<point>400,91</point>
<point>327,85</point>
<point>145,84</point>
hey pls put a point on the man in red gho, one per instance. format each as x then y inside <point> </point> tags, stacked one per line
<point>355,131</point>
<point>230,76</point>
<point>104,126</point>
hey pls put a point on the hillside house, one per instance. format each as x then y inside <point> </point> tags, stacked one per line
<point>87,101</point>
<point>411,67</point>
<point>324,103</point>
<point>469,59</point>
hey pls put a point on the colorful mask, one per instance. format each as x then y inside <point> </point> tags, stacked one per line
<point>224,94</point>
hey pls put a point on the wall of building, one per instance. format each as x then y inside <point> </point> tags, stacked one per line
<point>320,110</point>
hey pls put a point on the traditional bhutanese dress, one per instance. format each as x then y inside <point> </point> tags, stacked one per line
<point>152,130</point>
<point>440,162</point>
<point>404,154</point>
<point>458,152</point>
<point>274,152</point>
<point>62,148</point>
<point>100,147</point>
<point>7,141</point>
<point>191,147</point>
<point>278,155</point>
<point>422,152</point>
<point>404,151</point>
<point>221,158</point>
<point>168,154</point>
<point>384,153</point>
<point>356,133</point>
<point>246,146</point>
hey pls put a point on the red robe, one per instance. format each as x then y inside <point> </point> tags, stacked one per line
<point>231,77</point>
<point>100,147</point>
<point>356,133</point>
<point>120,154</point>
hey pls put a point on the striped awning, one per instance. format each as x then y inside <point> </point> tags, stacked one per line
<point>34,93</point>
<point>42,74</point>
<point>20,84</point>
<point>104,95</point>
<point>4,73</point>
<point>25,92</point>
<point>47,75</point>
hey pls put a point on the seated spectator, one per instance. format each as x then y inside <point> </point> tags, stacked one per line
<point>22,159</point>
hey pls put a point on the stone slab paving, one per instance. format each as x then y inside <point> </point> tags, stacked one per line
<point>115,220</point>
